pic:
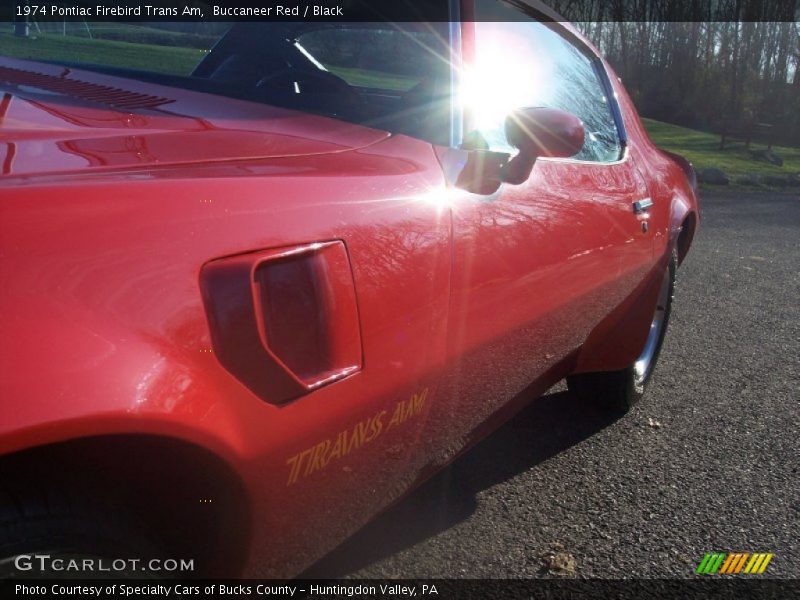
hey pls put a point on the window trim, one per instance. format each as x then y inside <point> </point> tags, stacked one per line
<point>456,61</point>
<point>613,102</point>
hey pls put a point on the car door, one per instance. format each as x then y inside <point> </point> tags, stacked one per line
<point>536,266</point>
<point>336,319</point>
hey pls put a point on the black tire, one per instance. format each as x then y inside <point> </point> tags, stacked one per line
<point>618,391</point>
<point>68,525</point>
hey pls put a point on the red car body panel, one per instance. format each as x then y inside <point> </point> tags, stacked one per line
<point>152,125</point>
<point>111,217</point>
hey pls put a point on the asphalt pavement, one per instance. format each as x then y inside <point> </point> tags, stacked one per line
<point>707,462</point>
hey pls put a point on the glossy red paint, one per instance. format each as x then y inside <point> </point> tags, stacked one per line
<point>133,249</point>
<point>91,133</point>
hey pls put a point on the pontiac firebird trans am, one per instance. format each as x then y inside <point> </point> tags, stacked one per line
<point>247,306</point>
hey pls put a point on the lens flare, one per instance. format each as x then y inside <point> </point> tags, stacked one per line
<point>505,76</point>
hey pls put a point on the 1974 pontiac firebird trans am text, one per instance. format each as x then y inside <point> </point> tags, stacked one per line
<point>246,308</point>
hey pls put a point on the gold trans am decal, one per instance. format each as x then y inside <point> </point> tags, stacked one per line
<point>318,456</point>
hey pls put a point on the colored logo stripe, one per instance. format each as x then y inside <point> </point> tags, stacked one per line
<point>734,563</point>
<point>711,563</point>
<point>703,564</point>
<point>758,564</point>
<point>727,564</point>
<point>730,563</point>
<point>740,564</point>
<point>765,563</point>
<point>718,564</point>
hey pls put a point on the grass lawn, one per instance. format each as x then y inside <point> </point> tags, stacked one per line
<point>703,150</point>
<point>164,59</point>
<point>374,79</point>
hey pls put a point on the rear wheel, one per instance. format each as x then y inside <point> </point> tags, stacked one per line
<point>618,391</point>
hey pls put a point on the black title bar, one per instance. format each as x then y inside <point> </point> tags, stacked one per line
<point>387,10</point>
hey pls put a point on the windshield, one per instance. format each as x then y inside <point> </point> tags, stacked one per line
<point>387,76</point>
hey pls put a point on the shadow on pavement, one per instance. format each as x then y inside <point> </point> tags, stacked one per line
<point>548,426</point>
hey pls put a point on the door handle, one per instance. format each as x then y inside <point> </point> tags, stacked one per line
<point>642,205</point>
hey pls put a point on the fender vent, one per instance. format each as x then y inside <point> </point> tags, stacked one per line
<point>284,321</point>
<point>105,94</point>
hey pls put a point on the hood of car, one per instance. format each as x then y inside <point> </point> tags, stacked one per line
<point>56,119</point>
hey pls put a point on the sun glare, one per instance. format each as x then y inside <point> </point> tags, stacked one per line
<point>503,77</point>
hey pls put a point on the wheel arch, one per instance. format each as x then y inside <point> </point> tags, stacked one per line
<point>618,339</point>
<point>686,235</point>
<point>193,501</point>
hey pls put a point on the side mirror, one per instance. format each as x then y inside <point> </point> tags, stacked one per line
<point>537,132</point>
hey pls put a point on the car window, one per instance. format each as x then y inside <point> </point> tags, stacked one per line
<point>398,75</point>
<point>373,57</point>
<point>394,77</point>
<point>524,63</point>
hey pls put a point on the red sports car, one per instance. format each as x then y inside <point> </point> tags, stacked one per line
<point>248,306</point>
